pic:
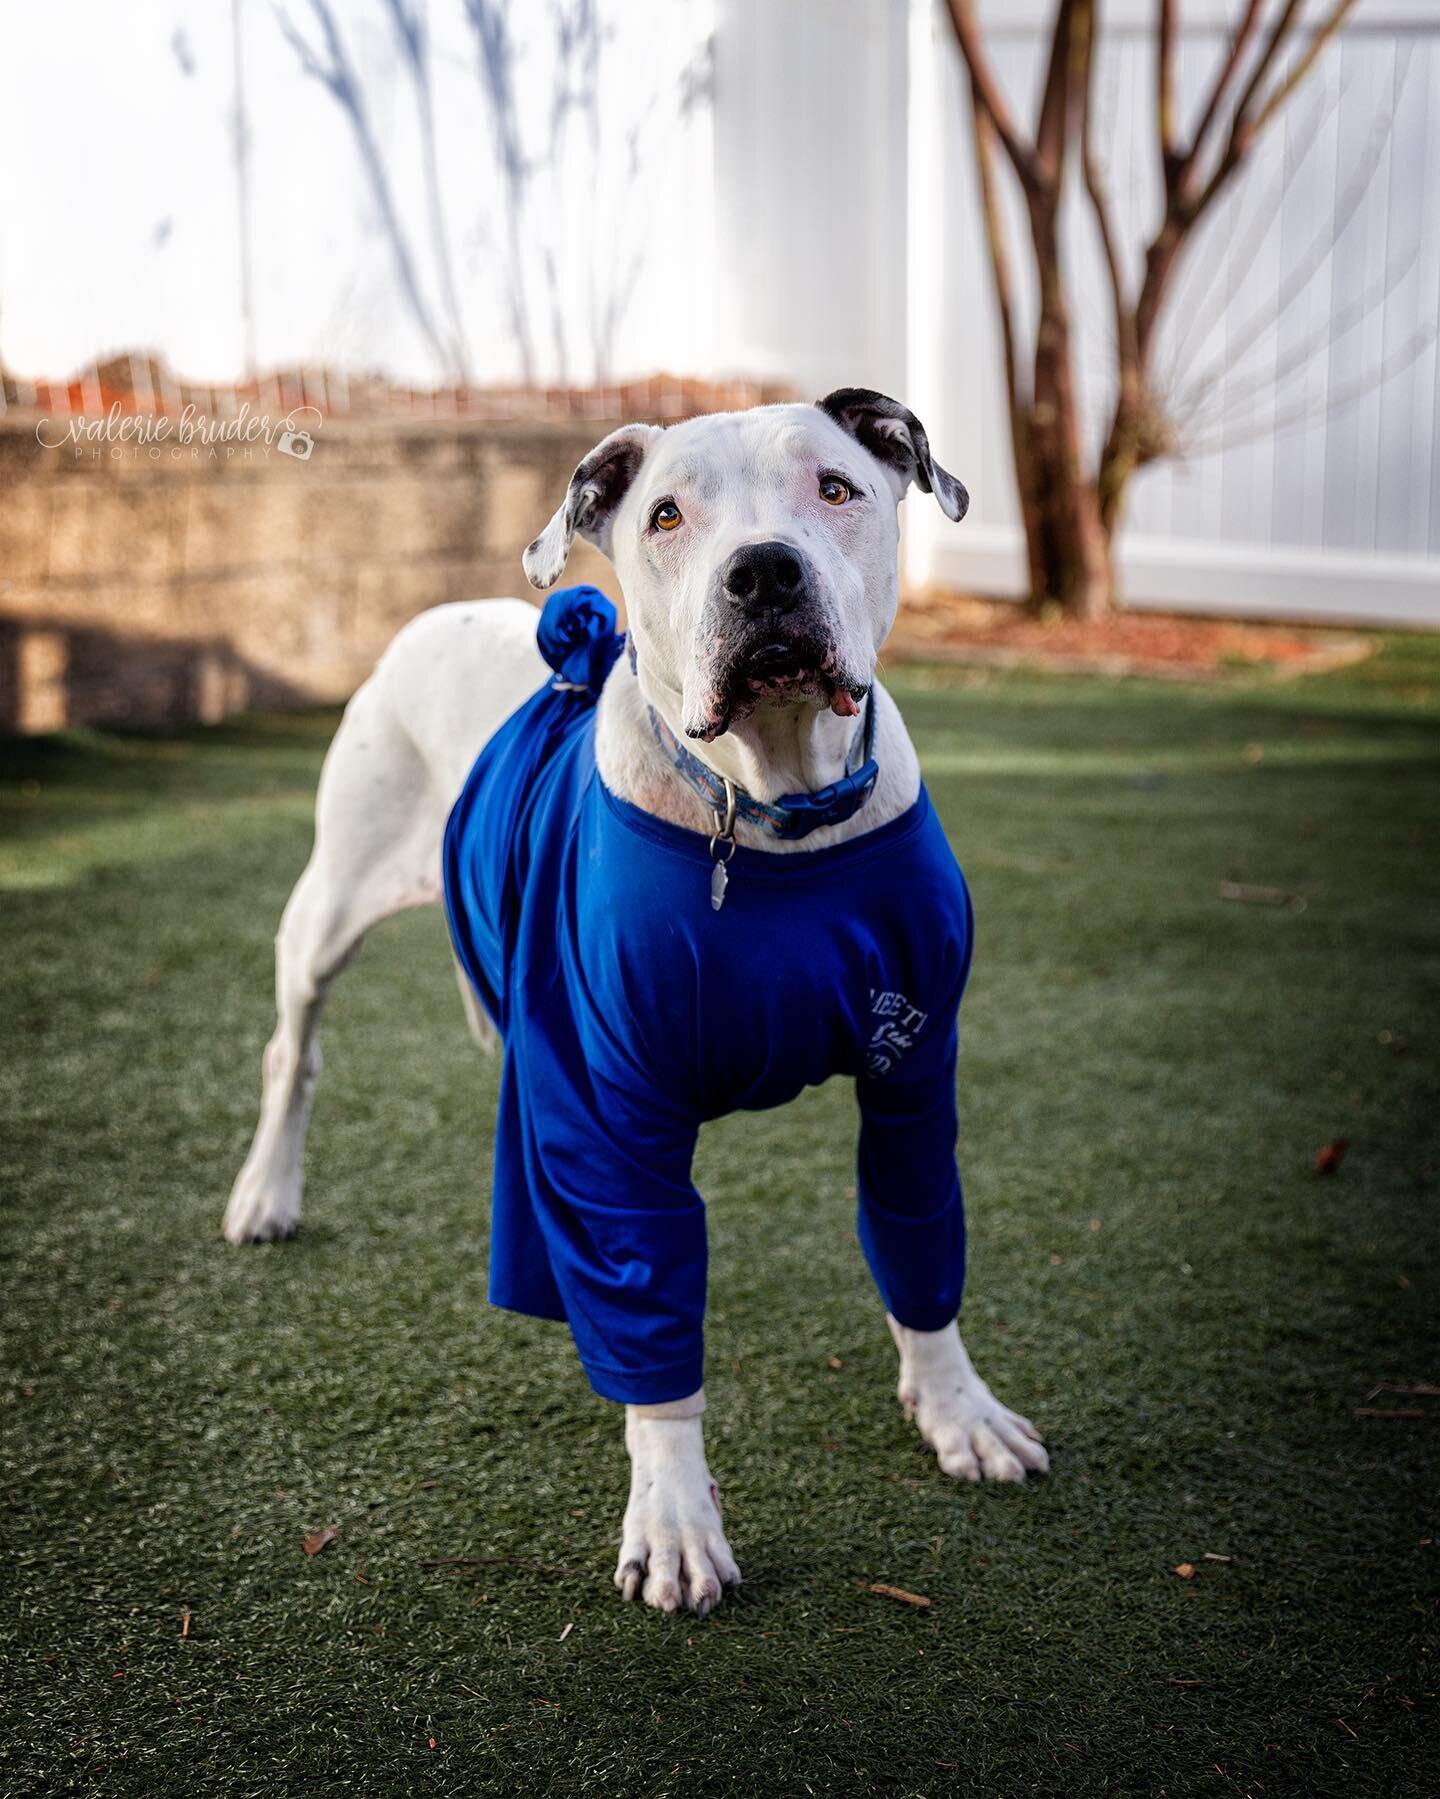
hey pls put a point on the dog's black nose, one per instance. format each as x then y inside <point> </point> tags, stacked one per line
<point>764,578</point>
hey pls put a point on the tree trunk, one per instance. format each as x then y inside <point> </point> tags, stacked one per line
<point>1066,536</point>
<point>1067,546</point>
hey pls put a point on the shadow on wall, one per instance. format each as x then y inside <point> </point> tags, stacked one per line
<point>52,677</point>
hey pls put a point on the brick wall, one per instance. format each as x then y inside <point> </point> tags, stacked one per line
<point>136,589</point>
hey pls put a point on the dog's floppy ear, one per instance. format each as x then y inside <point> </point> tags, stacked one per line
<point>893,435</point>
<point>596,489</point>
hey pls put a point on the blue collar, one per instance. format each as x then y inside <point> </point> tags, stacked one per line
<point>793,814</point>
<point>577,637</point>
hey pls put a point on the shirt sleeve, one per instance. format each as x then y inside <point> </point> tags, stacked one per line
<point>911,1214</point>
<point>597,1220</point>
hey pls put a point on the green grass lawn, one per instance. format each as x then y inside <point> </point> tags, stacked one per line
<point>1158,1276</point>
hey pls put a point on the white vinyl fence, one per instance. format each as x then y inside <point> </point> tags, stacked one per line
<point>1302,343</point>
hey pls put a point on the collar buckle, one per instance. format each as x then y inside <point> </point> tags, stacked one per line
<point>725,821</point>
<point>724,833</point>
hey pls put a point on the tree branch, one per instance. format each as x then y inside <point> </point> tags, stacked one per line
<point>1109,243</point>
<point>337,74</point>
<point>1322,36</point>
<point>1246,125</point>
<point>1243,126</point>
<point>986,92</point>
<point>1165,91</point>
<point>986,132</point>
<point>1239,44</point>
<point>1122,450</point>
<point>1052,130</point>
<point>1279,31</point>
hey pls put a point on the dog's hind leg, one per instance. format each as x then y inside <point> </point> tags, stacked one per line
<point>398,760</point>
<point>378,825</point>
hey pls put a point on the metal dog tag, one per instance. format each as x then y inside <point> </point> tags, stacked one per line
<point>719,881</point>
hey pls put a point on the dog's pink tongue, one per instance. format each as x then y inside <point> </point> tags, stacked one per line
<point>843,706</point>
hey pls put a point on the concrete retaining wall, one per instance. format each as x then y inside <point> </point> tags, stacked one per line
<point>137,587</point>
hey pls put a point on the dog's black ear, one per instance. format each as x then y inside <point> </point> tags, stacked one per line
<point>893,435</point>
<point>596,488</point>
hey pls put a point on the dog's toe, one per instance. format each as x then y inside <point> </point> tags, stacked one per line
<point>995,1459</point>
<point>1023,1441</point>
<point>662,1582</point>
<point>630,1577</point>
<point>958,1461</point>
<point>703,1586</point>
<point>724,1564</point>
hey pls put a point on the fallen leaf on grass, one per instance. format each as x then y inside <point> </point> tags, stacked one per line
<point>1186,1570</point>
<point>888,1592</point>
<point>318,1539</point>
<point>1261,896</point>
<point>1327,1160</point>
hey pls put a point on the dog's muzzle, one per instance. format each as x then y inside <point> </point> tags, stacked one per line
<point>773,639</point>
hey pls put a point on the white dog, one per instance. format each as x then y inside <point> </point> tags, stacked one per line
<point>757,554</point>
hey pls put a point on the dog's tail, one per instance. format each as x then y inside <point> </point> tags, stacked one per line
<point>482,1027</point>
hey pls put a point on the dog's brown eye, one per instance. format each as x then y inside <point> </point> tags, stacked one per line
<point>833,491</point>
<point>665,516</point>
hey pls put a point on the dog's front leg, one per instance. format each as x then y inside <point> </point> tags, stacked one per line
<point>972,1434</point>
<point>673,1551</point>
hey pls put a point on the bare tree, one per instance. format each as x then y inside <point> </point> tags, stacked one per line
<point>409,22</point>
<point>531,257</point>
<point>1071,504</point>
<point>332,67</point>
<point>495,53</point>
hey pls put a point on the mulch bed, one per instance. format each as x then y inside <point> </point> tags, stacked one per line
<point>948,627</point>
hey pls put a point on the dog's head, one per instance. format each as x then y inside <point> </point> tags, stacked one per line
<point>757,551</point>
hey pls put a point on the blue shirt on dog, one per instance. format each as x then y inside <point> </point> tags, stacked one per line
<point>632,1012</point>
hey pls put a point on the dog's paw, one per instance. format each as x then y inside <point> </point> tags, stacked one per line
<point>260,1210</point>
<point>673,1552</point>
<point>671,1558</point>
<point>974,1437</point>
